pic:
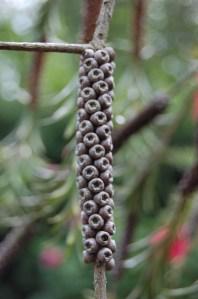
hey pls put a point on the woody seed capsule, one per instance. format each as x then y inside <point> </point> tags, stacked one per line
<point>110,265</point>
<point>96,185</point>
<point>88,257</point>
<point>84,81</point>
<point>103,132</point>
<point>103,238</point>
<point>91,245</point>
<point>92,106</point>
<point>110,227</point>
<point>84,160</point>
<point>90,207</point>
<point>96,221</point>
<point>102,198</point>
<point>95,75</point>
<point>90,172</point>
<point>106,212</point>
<point>88,93</point>
<point>90,139</point>
<point>104,255</point>
<point>102,56</point>
<point>100,87</point>
<point>97,151</point>
<point>87,231</point>
<point>102,164</point>
<point>98,119</point>
<point>85,194</point>
<point>89,64</point>
<point>85,127</point>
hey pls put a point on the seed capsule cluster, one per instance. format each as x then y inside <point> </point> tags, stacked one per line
<point>94,151</point>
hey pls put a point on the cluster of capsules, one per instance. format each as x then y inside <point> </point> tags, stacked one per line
<point>94,155</point>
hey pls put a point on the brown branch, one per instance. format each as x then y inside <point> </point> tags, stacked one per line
<point>142,119</point>
<point>35,76</point>
<point>12,243</point>
<point>102,26</point>
<point>44,47</point>
<point>91,12</point>
<point>138,27</point>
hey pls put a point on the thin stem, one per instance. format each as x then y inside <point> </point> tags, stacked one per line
<point>44,47</point>
<point>142,119</point>
<point>102,27</point>
<point>100,282</point>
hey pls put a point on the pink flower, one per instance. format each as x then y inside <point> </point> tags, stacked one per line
<point>179,247</point>
<point>51,257</point>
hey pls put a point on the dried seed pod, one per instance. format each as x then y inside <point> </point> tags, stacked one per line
<point>109,189</point>
<point>104,255</point>
<point>81,149</point>
<point>85,194</point>
<point>79,137</point>
<point>110,227</point>
<point>81,182</point>
<point>105,100</point>
<point>84,160</point>
<point>80,102</point>
<point>101,87</point>
<point>96,221</point>
<point>105,176</point>
<point>112,245</point>
<point>108,113</point>
<point>84,81</point>
<point>97,151</point>
<point>82,71</point>
<point>110,82</point>
<point>96,185</point>
<point>104,132</point>
<point>98,119</point>
<point>94,149</point>
<point>91,139</point>
<point>109,156</point>
<point>103,238</point>
<point>89,64</point>
<point>102,56</point>
<point>85,127</point>
<point>88,257</point>
<point>91,246</point>
<point>102,198</point>
<point>88,93</point>
<point>92,106</point>
<point>87,231</point>
<point>110,265</point>
<point>88,53</point>
<point>90,172</point>
<point>107,69</point>
<point>95,75</point>
<point>84,217</point>
<point>102,164</point>
<point>111,202</point>
<point>90,207</point>
<point>82,114</point>
<point>108,145</point>
<point>106,212</point>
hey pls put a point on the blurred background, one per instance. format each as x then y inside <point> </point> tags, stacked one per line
<point>155,164</point>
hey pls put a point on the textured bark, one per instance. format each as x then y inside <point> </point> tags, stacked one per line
<point>100,282</point>
<point>91,12</point>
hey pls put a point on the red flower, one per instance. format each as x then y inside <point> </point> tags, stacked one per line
<point>179,247</point>
<point>51,257</point>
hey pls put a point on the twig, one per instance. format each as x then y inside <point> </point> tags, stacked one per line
<point>91,12</point>
<point>35,76</point>
<point>12,243</point>
<point>44,47</point>
<point>102,27</point>
<point>138,26</point>
<point>145,117</point>
<point>100,282</point>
